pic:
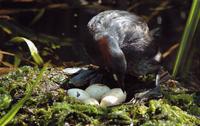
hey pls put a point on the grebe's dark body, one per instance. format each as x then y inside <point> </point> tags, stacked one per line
<point>122,43</point>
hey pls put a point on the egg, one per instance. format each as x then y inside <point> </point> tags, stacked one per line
<point>114,97</point>
<point>91,101</point>
<point>97,90</point>
<point>78,94</point>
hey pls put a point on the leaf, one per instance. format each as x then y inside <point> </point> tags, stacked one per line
<point>190,28</point>
<point>32,48</point>
<point>17,61</point>
<point>38,16</point>
<point>8,31</point>
<point>6,53</point>
<point>6,64</point>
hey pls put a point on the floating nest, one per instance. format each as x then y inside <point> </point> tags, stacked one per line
<point>50,104</point>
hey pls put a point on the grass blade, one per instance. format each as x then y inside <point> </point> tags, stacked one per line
<point>11,113</point>
<point>191,25</point>
<point>38,16</point>
<point>32,48</point>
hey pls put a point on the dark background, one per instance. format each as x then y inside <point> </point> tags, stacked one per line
<point>66,20</point>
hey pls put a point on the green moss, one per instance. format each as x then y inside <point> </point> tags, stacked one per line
<point>50,105</point>
<point>5,99</point>
<point>186,100</point>
<point>75,113</point>
<point>164,112</point>
<point>159,112</point>
<point>117,117</point>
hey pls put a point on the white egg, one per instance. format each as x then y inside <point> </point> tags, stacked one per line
<point>78,94</point>
<point>91,101</point>
<point>114,97</point>
<point>97,90</point>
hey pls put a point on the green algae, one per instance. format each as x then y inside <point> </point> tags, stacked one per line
<point>50,105</point>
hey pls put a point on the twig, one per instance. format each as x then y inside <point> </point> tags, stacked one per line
<point>170,50</point>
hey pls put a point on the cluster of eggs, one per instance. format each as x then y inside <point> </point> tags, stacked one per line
<point>99,94</point>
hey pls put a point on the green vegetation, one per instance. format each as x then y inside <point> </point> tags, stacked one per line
<point>186,42</point>
<point>30,96</point>
<point>50,105</point>
<point>32,49</point>
<point>29,89</point>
